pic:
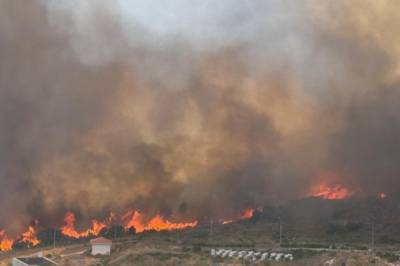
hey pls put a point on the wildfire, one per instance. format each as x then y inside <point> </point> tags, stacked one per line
<point>157,223</point>
<point>69,228</point>
<point>333,192</point>
<point>245,215</point>
<point>381,195</point>
<point>134,219</point>
<point>248,213</point>
<point>29,237</point>
<point>5,242</point>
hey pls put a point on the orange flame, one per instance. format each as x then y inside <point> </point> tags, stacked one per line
<point>157,223</point>
<point>5,242</point>
<point>334,192</point>
<point>245,215</point>
<point>69,228</point>
<point>135,222</point>
<point>30,236</point>
<point>248,213</point>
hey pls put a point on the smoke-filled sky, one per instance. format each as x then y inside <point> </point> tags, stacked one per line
<point>195,108</point>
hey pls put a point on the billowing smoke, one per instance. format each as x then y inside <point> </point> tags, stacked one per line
<point>193,108</point>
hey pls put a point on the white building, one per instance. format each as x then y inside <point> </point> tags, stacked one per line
<point>33,261</point>
<point>101,246</point>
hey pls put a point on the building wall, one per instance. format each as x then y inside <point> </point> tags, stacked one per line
<point>101,249</point>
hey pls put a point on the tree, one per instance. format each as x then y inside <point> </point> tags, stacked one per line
<point>131,230</point>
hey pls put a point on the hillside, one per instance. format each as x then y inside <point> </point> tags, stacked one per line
<point>314,230</point>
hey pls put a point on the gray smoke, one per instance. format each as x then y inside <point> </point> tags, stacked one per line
<point>192,110</point>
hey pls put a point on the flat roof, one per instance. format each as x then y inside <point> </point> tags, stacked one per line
<point>101,241</point>
<point>38,261</point>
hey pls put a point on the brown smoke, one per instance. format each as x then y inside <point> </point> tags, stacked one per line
<point>98,115</point>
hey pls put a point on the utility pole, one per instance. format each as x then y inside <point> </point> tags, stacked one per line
<point>280,232</point>
<point>211,227</point>
<point>54,238</point>
<point>213,197</point>
<point>372,238</point>
<point>373,235</point>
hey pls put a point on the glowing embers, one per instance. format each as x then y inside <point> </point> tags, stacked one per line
<point>157,223</point>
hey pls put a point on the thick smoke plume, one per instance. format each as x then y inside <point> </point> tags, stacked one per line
<point>193,110</point>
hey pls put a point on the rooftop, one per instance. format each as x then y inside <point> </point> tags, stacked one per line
<point>100,240</point>
<point>37,261</point>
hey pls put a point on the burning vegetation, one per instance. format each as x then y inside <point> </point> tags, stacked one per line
<point>157,223</point>
<point>332,192</point>
<point>5,242</point>
<point>245,215</point>
<point>30,236</point>
<point>131,220</point>
<point>69,228</point>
